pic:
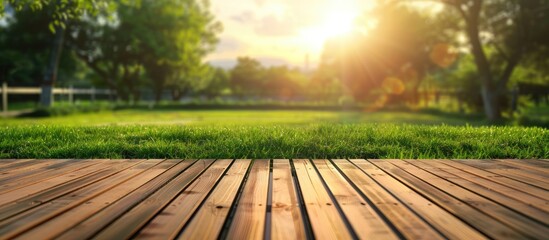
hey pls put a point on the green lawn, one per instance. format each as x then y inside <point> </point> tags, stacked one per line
<point>266,134</point>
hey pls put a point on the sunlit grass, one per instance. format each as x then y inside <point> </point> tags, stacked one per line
<point>266,134</point>
<point>240,117</point>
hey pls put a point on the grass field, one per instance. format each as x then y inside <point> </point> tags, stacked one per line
<point>266,134</point>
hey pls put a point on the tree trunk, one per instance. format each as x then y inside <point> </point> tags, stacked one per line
<point>489,92</point>
<point>50,76</point>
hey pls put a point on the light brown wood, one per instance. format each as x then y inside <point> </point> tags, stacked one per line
<point>99,220</point>
<point>509,182</point>
<point>43,165</point>
<point>47,177</point>
<point>466,213</point>
<point>21,163</point>
<point>539,166</point>
<point>287,221</point>
<point>534,202</point>
<point>215,209</point>
<point>325,219</point>
<point>22,222</point>
<point>7,162</point>
<point>249,219</point>
<point>70,218</point>
<point>435,215</point>
<point>362,217</point>
<point>497,197</point>
<point>295,199</point>
<point>168,223</point>
<point>405,221</point>
<point>131,221</point>
<point>42,197</point>
<point>510,172</point>
<point>518,222</point>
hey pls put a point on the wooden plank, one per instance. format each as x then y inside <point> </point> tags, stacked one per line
<point>533,201</point>
<point>20,164</point>
<point>535,166</point>
<point>145,200</point>
<point>34,200</point>
<point>168,223</point>
<point>24,188</point>
<point>529,163</point>
<point>510,172</point>
<point>325,219</point>
<point>470,215</point>
<point>251,209</point>
<point>43,176</point>
<point>362,217</point>
<point>286,218</point>
<point>504,180</point>
<point>7,162</point>
<point>487,192</point>
<point>446,223</point>
<point>10,175</point>
<point>24,221</point>
<point>213,213</point>
<point>410,225</point>
<point>512,219</point>
<point>68,219</point>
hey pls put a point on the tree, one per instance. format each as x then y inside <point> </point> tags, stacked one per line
<point>517,29</point>
<point>247,77</point>
<point>175,54</point>
<point>215,83</point>
<point>282,83</point>
<point>24,49</point>
<point>62,12</point>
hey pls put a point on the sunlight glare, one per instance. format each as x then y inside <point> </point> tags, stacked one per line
<point>337,22</point>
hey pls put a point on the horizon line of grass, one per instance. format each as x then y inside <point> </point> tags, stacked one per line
<point>274,141</point>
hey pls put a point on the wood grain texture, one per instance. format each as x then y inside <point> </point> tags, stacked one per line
<point>541,182</point>
<point>62,188</point>
<point>435,215</point>
<point>513,220</point>
<point>325,219</point>
<point>287,221</point>
<point>99,220</point>
<point>534,205</point>
<point>363,218</point>
<point>464,212</point>
<point>501,179</point>
<point>43,165</point>
<point>44,179</point>
<point>278,199</point>
<point>28,219</point>
<point>405,221</point>
<point>168,222</point>
<point>251,209</point>
<point>70,218</point>
<point>215,209</point>
<point>539,166</point>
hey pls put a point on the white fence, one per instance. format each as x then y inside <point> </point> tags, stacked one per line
<point>70,92</point>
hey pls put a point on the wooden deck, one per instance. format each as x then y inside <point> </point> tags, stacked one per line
<point>277,199</point>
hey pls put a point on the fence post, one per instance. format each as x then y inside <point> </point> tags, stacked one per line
<point>5,97</point>
<point>93,94</point>
<point>71,95</point>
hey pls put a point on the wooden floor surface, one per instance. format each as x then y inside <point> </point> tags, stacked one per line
<point>274,199</point>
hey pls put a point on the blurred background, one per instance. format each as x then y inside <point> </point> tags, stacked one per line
<point>485,59</point>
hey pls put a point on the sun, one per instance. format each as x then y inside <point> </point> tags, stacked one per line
<point>335,23</point>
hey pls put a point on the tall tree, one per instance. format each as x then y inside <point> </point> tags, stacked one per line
<point>62,12</point>
<point>517,29</point>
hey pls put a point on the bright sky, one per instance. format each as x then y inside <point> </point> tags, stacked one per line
<point>281,31</point>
